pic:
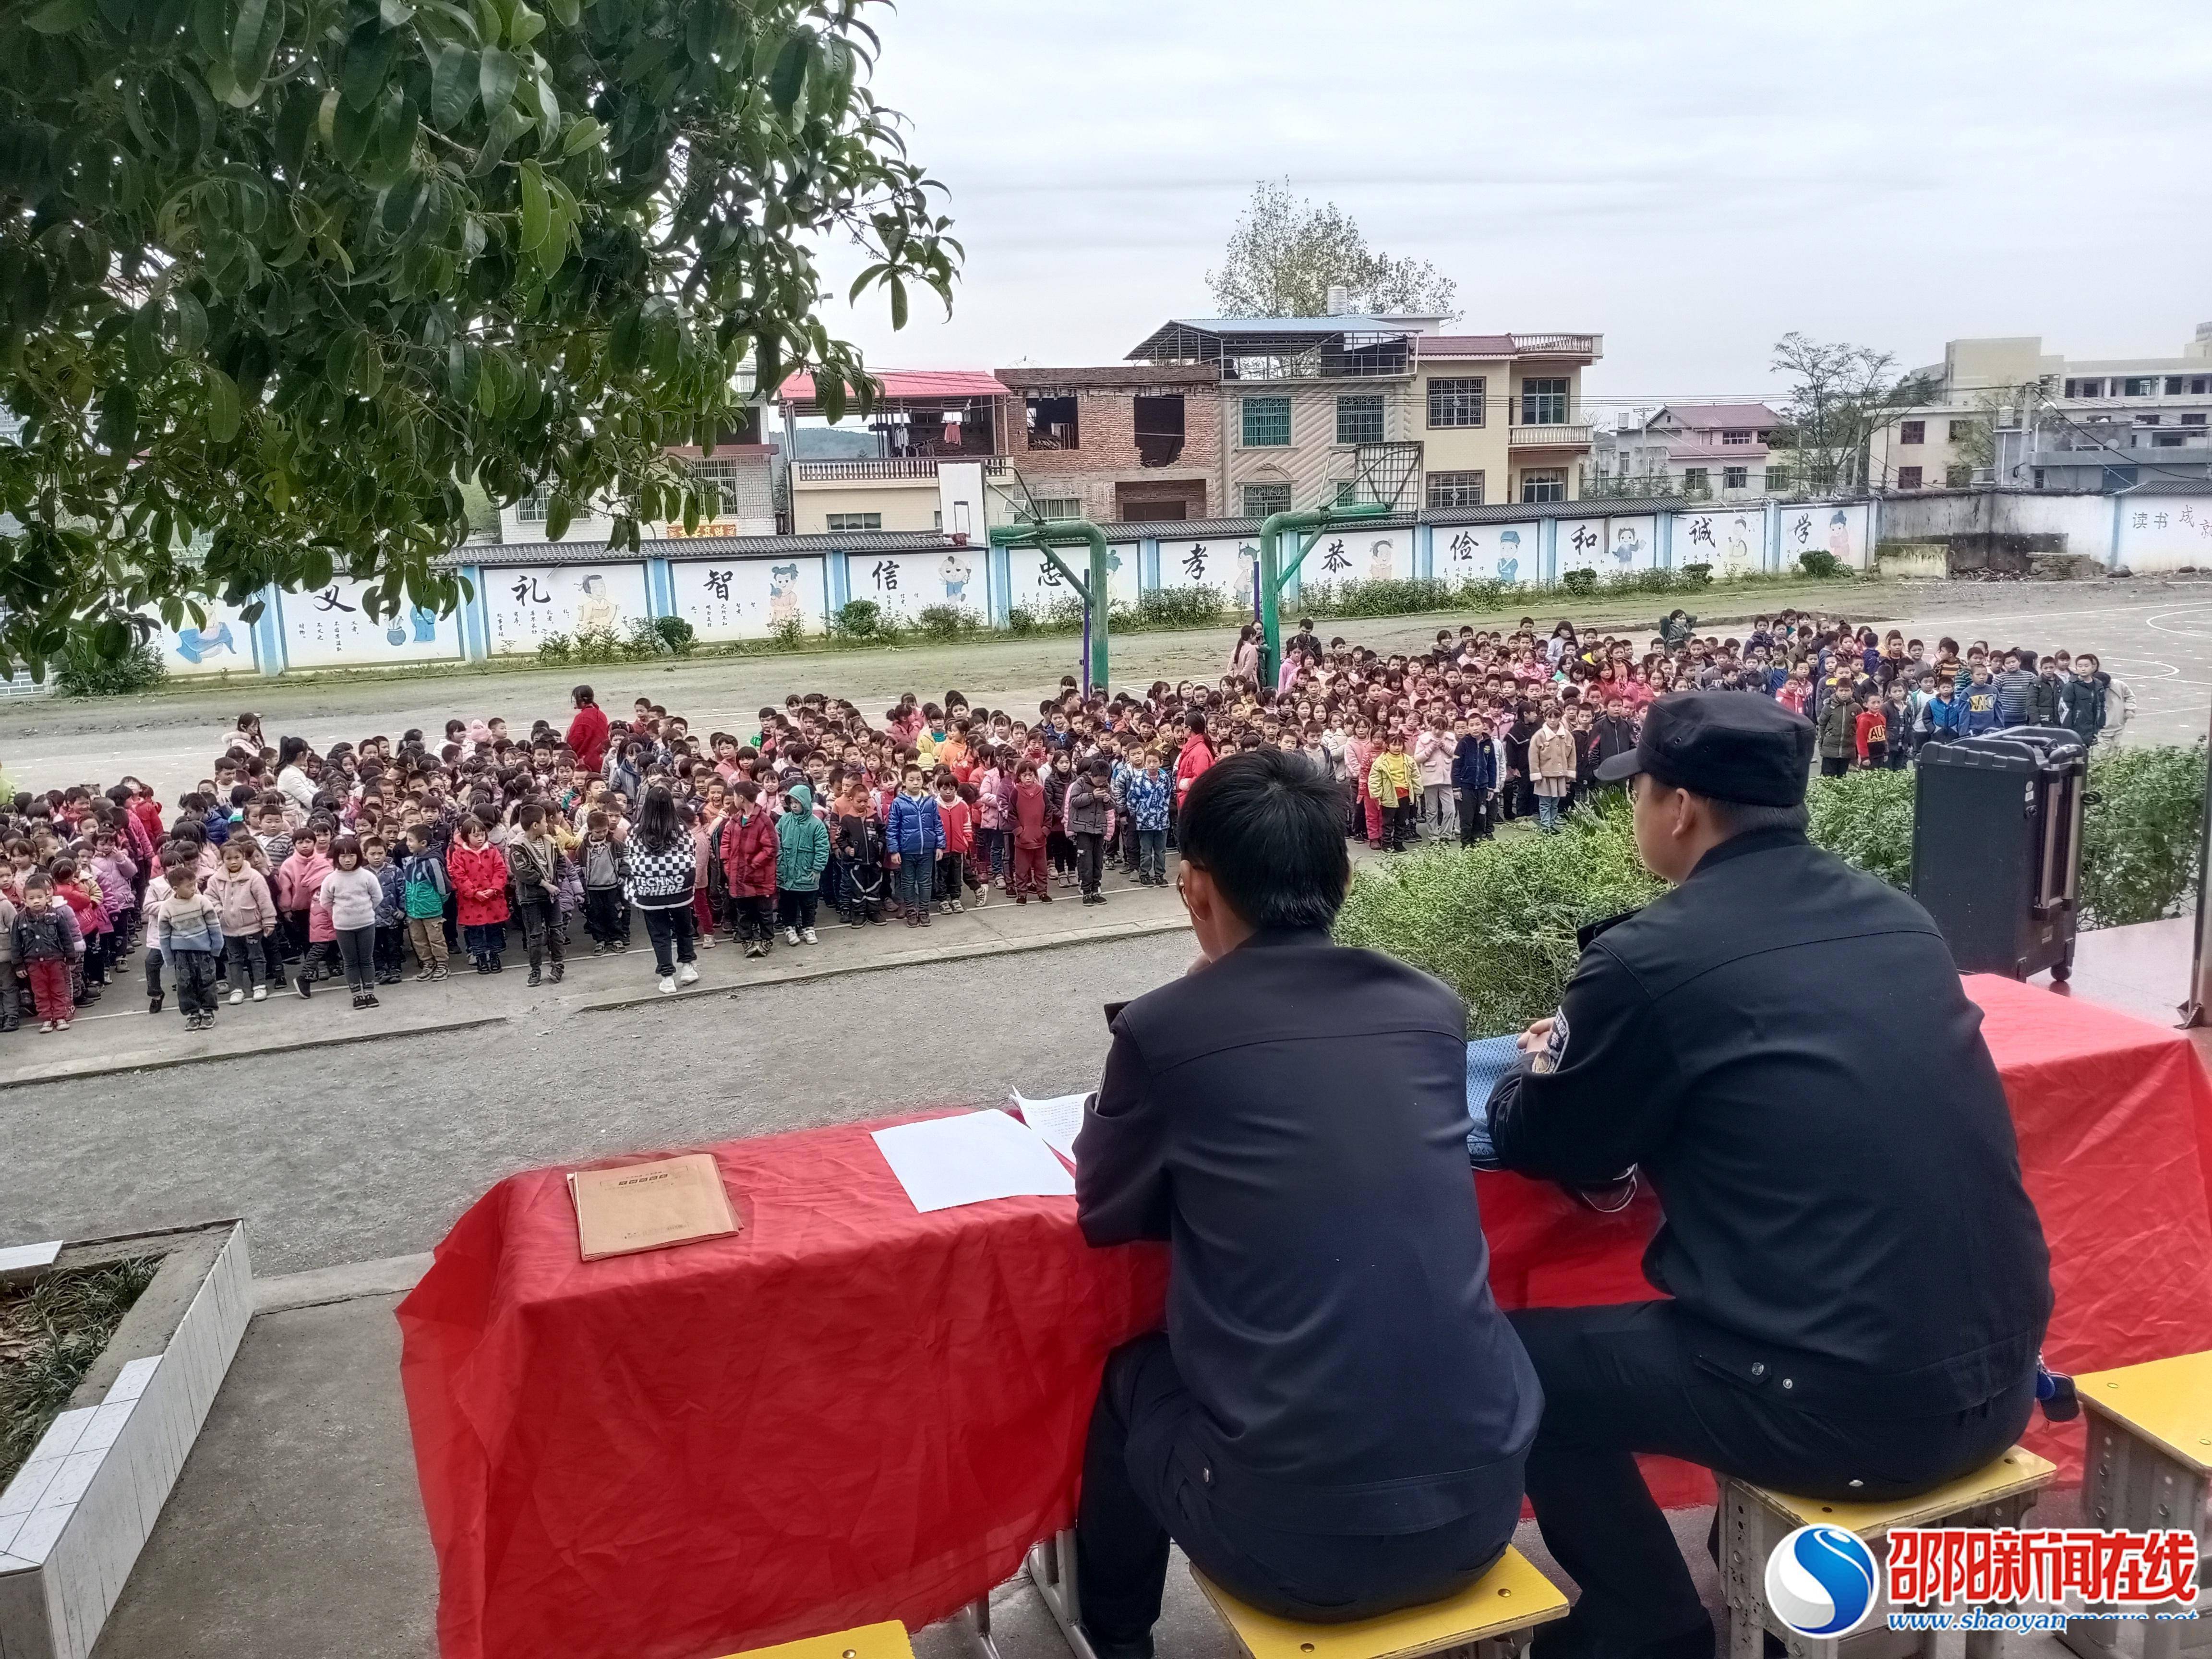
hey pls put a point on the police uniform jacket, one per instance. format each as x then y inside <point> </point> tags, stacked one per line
<point>1293,1120</point>
<point>1782,1046</point>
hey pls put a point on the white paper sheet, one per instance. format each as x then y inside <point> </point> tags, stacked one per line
<point>945,1162</point>
<point>1056,1118</point>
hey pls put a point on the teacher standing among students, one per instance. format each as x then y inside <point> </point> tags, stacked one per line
<point>1334,1424</point>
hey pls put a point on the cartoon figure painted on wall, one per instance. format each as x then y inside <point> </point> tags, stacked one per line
<point>1736,558</point>
<point>596,612</point>
<point>953,570</point>
<point>1625,546</point>
<point>196,646</point>
<point>425,623</point>
<point>1839,535</point>
<point>1380,563</point>
<point>1248,574</point>
<point>1509,555</point>
<point>783,593</point>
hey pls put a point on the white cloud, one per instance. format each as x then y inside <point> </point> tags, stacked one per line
<point>1693,179</point>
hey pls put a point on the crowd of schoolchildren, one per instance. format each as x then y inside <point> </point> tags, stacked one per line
<point>287,868</point>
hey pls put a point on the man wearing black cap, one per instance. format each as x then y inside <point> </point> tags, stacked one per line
<point>1859,1283</point>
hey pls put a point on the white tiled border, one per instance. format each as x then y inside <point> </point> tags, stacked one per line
<point>75,1516</point>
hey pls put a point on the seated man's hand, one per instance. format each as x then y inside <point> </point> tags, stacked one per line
<point>1537,1035</point>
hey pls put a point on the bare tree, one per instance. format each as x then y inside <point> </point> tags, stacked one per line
<point>1840,394</point>
<point>1286,254</point>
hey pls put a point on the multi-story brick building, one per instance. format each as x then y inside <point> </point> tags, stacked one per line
<point>1127,443</point>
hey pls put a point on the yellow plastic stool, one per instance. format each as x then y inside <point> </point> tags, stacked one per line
<point>885,1641</point>
<point>2149,1467</point>
<point>1753,1520</point>
<point>1491,1619</point>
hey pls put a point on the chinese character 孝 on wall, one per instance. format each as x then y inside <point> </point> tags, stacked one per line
<point>1193,563</point>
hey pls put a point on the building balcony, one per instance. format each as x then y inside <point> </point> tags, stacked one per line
<point>1559,345</point>
<point>876,468</point>
<point>1548,437</point>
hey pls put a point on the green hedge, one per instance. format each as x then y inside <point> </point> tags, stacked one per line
<point>1496,921</point>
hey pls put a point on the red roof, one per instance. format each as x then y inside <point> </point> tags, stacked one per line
<point>1464,345</point>
<point>1702,416</point>
<point>918,384</point>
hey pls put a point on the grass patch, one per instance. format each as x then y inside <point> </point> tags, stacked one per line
<point>50,1331</point>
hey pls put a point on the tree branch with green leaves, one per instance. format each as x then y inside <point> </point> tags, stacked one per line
<point>280,280</point>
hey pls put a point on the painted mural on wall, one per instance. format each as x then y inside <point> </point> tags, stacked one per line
<point>748,598</point>
<point>1840,530</point>
<point>223,644</point>
<point>524,605</point>
<point>1488,552</point>
<point>1034,585</point>
<point>904,584</point>
<point>1610,547</point>
<point>330,627</point>
<point>1378,556</point>
<point>1731,540</point>
<point>2165,533</point>
<point>1227,563</point>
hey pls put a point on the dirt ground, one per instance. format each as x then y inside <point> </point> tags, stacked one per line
<point>2156,634</point>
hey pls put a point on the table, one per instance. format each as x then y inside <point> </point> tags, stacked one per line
<point>851,1413</point>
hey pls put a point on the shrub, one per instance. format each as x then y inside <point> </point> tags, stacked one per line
<point>1064,615</point>
<point>1179,607</point>
<point>1697,575</point>
<point>555,649</point>
<point>677,636</point>
<point>1496,921</point>
<point>84,670</point>
<point>1021,620</point>
<point>598,646</point>
<point>946,622</point>
<point>789,635</point>
<point>2139,835</point>
<point>1865,818</point>
<point>861,619</point>
<point>1819,562</point>
<point>1580,582</point>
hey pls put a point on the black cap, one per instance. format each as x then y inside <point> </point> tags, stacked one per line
<point>1730,745</point>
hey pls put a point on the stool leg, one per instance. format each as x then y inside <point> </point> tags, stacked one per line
<point>1743,1546</point>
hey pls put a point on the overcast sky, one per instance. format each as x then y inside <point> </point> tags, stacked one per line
<point>1693,180</point>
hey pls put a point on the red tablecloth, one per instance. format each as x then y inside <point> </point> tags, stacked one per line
<point>851,1411</point>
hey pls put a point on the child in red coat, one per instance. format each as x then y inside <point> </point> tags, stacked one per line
<point>1030,817</point>
<point>479,870</point>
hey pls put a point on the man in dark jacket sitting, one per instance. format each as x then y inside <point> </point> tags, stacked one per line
<point>1334,1424</point>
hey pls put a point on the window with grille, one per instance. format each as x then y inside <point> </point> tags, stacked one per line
<point>1359,420</point>
<point>1736,478</point>
<point>1260,500</point>
<point>1908,477</point>
<point>1696,481</point>
<point>1544,403</point>
<point>531,509</point>
<point>1455,488</point>
<point>1736,434</point>
<point>1913,432</point>
<point>1548,484</point>
<point>856,521</point>
<point>1267,423</point>
<point>1777,480</point>
<point>1455,403</point>
<point>1059,506</point>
